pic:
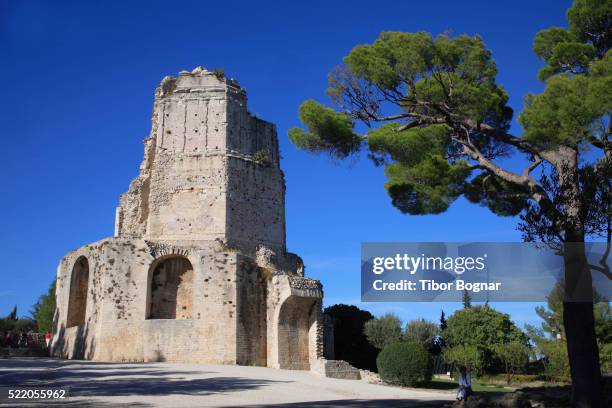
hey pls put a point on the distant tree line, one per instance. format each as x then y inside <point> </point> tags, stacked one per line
<point>484,340</point>
<point>39,318</point>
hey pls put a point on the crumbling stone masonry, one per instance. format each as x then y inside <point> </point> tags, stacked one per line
<point>197,270</point>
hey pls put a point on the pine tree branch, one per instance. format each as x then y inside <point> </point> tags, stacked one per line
<point>605,270</point>
<point>524,180</point>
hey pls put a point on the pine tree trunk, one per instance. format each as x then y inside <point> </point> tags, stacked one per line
<point>587,390</point>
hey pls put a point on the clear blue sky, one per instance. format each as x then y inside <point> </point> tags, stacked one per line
<point>78,82</point>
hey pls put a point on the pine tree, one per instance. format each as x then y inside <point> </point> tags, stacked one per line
<point>439,122</point>
<point>442,321</point>
<point>45,309</point>
<point>13,314</point>
<point>467,299</point>
<point>441,343</point>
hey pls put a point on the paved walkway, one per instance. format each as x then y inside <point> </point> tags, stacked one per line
<point>111,385</point>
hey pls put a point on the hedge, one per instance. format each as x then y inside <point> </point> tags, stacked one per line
<point>404,363</point>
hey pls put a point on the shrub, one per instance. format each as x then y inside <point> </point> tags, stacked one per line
<point>423,332</point>
<point>605,357</point>
<point>7,324</point>
<point>556,362</point>
<point>25,325</point>
<point>514,357</point>
<point>468,356</point>
<point>482,327</point>
<point>404,363</point>
<point>383,330</point>
<point>262,158</point>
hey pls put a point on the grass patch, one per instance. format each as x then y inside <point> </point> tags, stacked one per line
<point>477,386</point>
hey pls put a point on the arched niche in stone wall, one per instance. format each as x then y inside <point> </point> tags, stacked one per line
<point>170,288</point>
<point>77,300</point>
<point>294,325</point>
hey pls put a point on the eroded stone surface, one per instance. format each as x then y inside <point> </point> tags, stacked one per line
<point>197,270</point>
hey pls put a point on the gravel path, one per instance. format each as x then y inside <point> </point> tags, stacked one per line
<point>99,384</point>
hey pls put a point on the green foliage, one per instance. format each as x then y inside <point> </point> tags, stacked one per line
<point>262,158</point>
<point>13,314</point>
<point>415,72</point>
<point>514,357</point>
<point>466,299</point>
<point>407,65</point>
<point>420,179</point>
<point>327,131</point>
<point>589,22</point>
<point>484,328</point>
<point>10,321</point>
<point>423,332</point>
<point>501,197</point>
<point>556,115</point>
<point>404,363</point>
<point>566,112</point>
<point>409,147</point>
<point>436,116</point>
<point>7,324</point>
<point>219,73</point>
<point>350,343</point>
<point>552,315</point>
<point>556,47</point>
<point>572,51</point>
<point>603,322</point>
<point>383,330</point>
<point>556,362</point>
<point>45,309</point>
<point>25,325</point>
<point>546,40</point>
<point>579,78</point>
<point>465,355</point>
<point>447,125</point>
<point>440,342</point>
<point>19,325</point>
<point>605,357</point>
<point>443,323</point>
<point>552,353</point>
<point>426,188</point>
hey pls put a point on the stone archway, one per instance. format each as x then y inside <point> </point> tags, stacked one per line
<point>295,325</point>
<point>170,293</point>
<point>77,299</point>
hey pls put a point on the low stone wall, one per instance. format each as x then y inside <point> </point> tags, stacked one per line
<point>336,369</point>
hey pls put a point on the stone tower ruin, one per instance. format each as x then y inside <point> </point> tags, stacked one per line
<point>197,270</point>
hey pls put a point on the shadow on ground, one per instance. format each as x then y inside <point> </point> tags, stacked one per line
<point>92,381</point>
<point>77,404</point>
<point>108,379</point>
<point>403,403</point>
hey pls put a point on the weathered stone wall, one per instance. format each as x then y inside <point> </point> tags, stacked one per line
<point>230,309</point>
<point>328,337</point>
<point>209,165</point>
<point>198,270</point>
<point>256,186</point>
<point>251,309</point>
<point>293,324</point>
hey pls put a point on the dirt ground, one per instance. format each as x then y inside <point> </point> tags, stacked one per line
<point>110,385</point>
